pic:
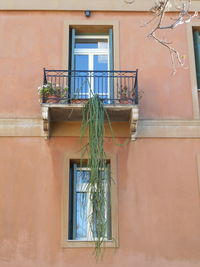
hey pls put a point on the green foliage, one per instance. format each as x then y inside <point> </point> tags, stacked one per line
<point>52,89</point>
<point>93,126</point>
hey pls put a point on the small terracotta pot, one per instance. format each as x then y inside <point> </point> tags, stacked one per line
<point>125,101</point>
<point>52,99</point>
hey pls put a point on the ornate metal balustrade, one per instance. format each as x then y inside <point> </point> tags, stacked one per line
<point>113,87</point>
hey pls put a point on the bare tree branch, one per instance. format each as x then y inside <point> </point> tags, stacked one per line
<point>159,9</point>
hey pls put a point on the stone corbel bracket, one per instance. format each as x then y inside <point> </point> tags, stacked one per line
<point>133,122</point>
<point>46,121</point>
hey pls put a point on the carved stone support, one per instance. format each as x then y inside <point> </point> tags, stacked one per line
<point>46,122</point>
<point>133,122</point>
<point>63,113</point>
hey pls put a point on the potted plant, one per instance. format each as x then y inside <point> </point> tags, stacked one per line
<point>51,93</point>
<point>125,97</point>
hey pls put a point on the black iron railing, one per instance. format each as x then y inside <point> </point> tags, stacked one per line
<point>113,87</point>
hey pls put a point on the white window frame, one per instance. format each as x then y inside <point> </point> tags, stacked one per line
<point>91,52</point>
<point>82,188</point>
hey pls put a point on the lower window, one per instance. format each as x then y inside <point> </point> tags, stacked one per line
<point>83,224</point>
<point>196,38</point>
<point>79,223</point>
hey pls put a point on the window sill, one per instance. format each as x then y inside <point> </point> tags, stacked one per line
<point>90,244</point>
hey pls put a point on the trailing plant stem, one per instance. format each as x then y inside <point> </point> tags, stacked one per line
<point>93,124</point>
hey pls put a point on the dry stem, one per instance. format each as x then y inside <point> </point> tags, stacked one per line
<point>157,22</point>
<point>159,9</point>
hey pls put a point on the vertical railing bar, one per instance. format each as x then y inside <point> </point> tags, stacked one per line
<point>107,89</point>
<point>78,85</point>
<point>129,90</point>
<point>132,89</point>
<point>64,91</point>
<point>44,82</point>
<point>55,78</point>
<point>84,86</point>
<point>60,85</point>
<point>117,89</point>
<point>124,87</point>
<point>66,83</point>
<point>90,83</point>
<point>119,77</point>
<point>114,91</point>
<point>81,87</point>
<point>103,84</point>
<point>87,84</point>
<point>82,83</point>
<point>98,85</point>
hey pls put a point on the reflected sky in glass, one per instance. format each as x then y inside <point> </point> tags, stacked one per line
<point>91,43</point>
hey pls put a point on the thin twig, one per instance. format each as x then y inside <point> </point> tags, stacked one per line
<point>159,9</point>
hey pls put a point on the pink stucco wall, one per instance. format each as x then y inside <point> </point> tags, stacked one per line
<point>33,40</point>
<point>159,215</point>
<point>158,190</point>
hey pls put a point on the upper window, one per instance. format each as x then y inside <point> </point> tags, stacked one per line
<point>90,61</point>
<point>196,37</point>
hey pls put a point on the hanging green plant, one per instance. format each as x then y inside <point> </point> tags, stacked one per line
<point>100,176</point>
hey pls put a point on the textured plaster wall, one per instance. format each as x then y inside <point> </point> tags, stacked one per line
<point>33,40</point>
<point>158,191</point>
<point>159,215</point>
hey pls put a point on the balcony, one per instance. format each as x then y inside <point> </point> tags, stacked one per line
<point>65,92</point>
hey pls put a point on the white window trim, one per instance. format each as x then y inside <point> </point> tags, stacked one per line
<point>91,52</point>
<point>82,188</point>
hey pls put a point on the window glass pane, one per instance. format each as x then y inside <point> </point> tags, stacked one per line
<point>101,78</point>
<point>91,43</point>
<point>81,80</point>
<point>81,62</point>
<point>101,62</point>
<point>84,226</point>
<point>81,216</point>
<point>83,176</point>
